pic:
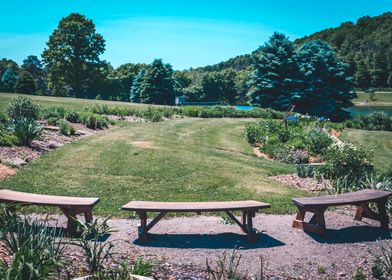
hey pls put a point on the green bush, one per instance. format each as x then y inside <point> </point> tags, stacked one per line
<point>318,141</point>
<point>73,116</point>
<point>373,121</point>
<point>7,139</point>
<point>347,160</point>
<point>65,128</point>
<point>305,170</point>
<point>23,108</point>
<point>26,130</point>
<point>3,119</point>
<point>53,112</point>
<point>52,121</point>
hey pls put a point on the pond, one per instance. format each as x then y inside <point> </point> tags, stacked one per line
<point>364,110</point>
<point>244,107</point>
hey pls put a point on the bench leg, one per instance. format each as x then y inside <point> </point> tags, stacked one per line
<point>142,229</point>
<point>249,225</point>
<point>88,216</point>
<point>382,214</point>
<point>316,223</point>
<point>71,217</point>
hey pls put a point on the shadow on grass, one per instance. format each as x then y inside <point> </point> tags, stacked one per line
<point>209,241</point>
<point>354,234</point>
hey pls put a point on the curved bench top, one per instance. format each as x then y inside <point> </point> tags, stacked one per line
<point>46,200</point>
<point>152,206</point>
<point>366,195</point>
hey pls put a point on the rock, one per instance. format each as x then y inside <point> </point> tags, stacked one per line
<point>82,132</point>
<point>16,161</point>
<point>51,127</point>
<point>54,144</point>
<point>342,274</point>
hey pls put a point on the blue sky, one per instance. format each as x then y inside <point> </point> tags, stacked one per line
<point>183,33</point>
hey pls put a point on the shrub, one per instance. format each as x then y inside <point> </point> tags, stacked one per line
<point>305,170</point>
<point>318,141</point>
<point>373,121</point>
<point>23,108</point>
<point>26,130</point>
<point>253,133</point>
<point>37,251</point>
<point>347,160</point>
<point>53,112</point>
<point>152,114</point>
<point>294,156</point>
<point>73,116</point>
<point>7,139</point>
<point>3,119</point>
<point>65,128</point>
<point>52,121</point>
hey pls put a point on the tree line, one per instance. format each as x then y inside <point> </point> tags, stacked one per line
<point>280,74</point>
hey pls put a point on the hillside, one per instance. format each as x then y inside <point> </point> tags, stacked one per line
<point>364,45</point>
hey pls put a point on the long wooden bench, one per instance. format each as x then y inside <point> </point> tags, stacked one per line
<point>248,209</point>
<point>361,199</point>
<point>70,206</point>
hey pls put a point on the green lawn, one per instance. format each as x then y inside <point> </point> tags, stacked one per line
<point>382,98</point>
<point>66,102</point>
<point>178,160</point>
<point>379,141</point>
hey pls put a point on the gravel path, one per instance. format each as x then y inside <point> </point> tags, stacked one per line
<point>184,243</point>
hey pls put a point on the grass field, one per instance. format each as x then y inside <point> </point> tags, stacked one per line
<point>66,102</point>
<point>187,159</point>
<point>379,141</point>
<point>382,98</point>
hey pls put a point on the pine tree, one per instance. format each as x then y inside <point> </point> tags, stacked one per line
<point>136,86</point>
<point>327,87</point>
<point>157,86</point>
<point>274,82</point>
<point>8,81</point>
<point>25,83</point>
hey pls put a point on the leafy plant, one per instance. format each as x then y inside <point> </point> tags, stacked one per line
<point>65,128</point>
<point>96,251</point>
<point>23,108</point>
<point>37,251</point>
<point>382,260</point>
<point>7,139</point>
<point>318,141</point>
<point>226,268</point>
<point>26,130</point>
<point>305,170</point>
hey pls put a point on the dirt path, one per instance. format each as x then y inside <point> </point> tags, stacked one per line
<point>189,241</point>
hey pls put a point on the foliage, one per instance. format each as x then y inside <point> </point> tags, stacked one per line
<point>136,86</point>
<point>72,56</point>
<point>157,86</point>
<point>65,128</point>
<point>305,170</point>
<point>365,46</point>
<point>8,81</point>
<point>95,251</point>
<point>373,121</point>
<point>33,65</point>
<point>347,160</point>
<point>89,119</point>
<point>274,80</point>
<point>23,108</point>
<point>25,83</point>
<point>7,139</point>
<point>327,87</point>
<point>318,141</point>
<point>382,261</point>
<point>225,268</point>
<point>26,130</point>
<point>37,251</point>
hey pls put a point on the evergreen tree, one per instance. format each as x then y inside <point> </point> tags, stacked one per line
<point>72,56</point>
<point>25,83</point>
<point>157,86</point>
<point>33,65</point>
<point>327,88</point>
<point>274,80</point>
<point>8,81</point>
<point>136,86</point>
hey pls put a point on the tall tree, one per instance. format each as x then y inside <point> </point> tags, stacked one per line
<point>274,80</point>
<point>25,83</point>
<point>327,87</point>
<point>8,81</point>
<point>33,65</point>
<point>72,55</point>
<point>157,86</point>
<point>136,86</point>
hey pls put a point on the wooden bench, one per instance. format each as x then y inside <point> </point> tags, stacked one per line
<point>361,199</point>
<point>248,208</point>
<point>71,206</point>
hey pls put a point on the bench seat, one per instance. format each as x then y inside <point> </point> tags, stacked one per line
<point>248,209</point>
<point>71,206</point>
<point>361,199</point>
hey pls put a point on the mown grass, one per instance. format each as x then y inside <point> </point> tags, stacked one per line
<point>66,102</point>
<point>179,160</point>
<point>381,98</point>
<point>378,141</point>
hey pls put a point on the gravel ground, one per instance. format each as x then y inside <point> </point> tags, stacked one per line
<point>182,245</point>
